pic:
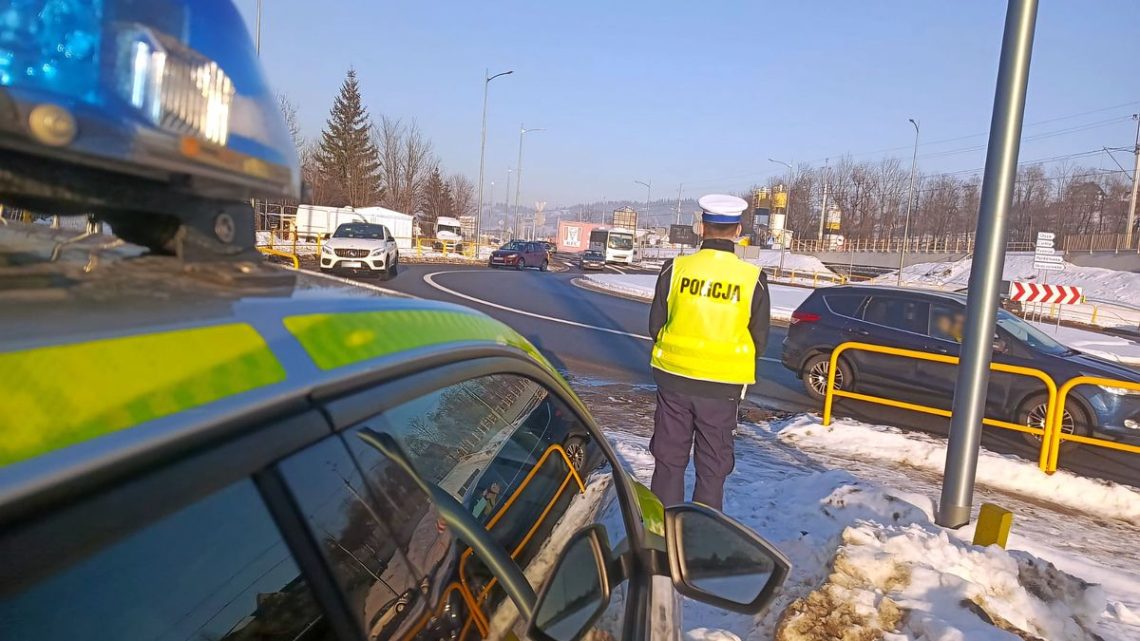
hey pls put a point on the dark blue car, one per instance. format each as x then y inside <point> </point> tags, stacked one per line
<point>932,321</point>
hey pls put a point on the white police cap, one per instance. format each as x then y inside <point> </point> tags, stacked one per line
<point>722,208</point>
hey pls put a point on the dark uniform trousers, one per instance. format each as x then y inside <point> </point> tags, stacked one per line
<point>680,420</point>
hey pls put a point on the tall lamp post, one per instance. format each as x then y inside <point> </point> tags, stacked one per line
<point>257,31</point>
<point>518,175</point>
<point>648,196</point>
<point>787,206</point>
<point>909,202</point>
<point>482,153</point>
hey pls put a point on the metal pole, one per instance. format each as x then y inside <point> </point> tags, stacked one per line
<point>787,212</point>
<point>1135,188</point>
<point>679,188</point>
<point>257,38</point>
<point>822,215</point>
<point>487,78</point>
<point>518,181</point>
<point>987,265</point>
<point>507,199</point>
<point>909,202</point>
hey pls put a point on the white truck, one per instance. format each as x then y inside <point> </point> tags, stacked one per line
<point>448,235</point>
<point>317,221</point>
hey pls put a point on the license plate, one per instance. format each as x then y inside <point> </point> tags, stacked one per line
<point>352,264</point>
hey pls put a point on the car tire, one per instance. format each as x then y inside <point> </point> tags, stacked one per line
<point>544,266</point>
<point>1031,413</point>
<point>521,265</point>
<point>814,376</point>
<point>575,447</point>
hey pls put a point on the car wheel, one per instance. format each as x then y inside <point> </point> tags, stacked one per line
<point>576,451</point>
<point>1074,420</point>
<point>521,265</point>
<point>545,265</point>
<point>394,266</point>
<point>815,373</point>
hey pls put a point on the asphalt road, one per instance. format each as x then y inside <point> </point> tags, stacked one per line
<point>595,336</point>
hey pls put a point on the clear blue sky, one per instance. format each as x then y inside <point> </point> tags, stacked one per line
<point>704,92</point>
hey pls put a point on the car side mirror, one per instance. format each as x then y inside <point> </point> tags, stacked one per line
<point>577,591</point>
<point>716,560</point>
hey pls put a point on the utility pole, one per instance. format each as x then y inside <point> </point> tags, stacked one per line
<point>909,202</point>
<point>518,175</point>
<point>507,199</point>
<point>679,187</point>
<point>257,31</point>
<point>823,213</point>
<point>1135,187</point>
<point>487,78</point>
<point>648,194</point>
<point>968,408</point>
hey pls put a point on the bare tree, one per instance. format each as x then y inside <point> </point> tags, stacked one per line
<point>462,195</point>
<point>406,161</point>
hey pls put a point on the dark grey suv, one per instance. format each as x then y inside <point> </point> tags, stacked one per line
<point>932,321</point>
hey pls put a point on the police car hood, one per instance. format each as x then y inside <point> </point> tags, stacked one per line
<point>355,243</point>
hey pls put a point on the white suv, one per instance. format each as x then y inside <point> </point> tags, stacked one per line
<point>361,247</point>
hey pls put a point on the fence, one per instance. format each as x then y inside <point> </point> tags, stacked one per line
<point>1051,431</point>
<point>1093,243</point>
<point>954,244</point>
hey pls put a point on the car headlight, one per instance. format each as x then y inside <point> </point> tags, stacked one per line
<point>1119,391</point>
<point>378,252</point>
<point>327,251</point>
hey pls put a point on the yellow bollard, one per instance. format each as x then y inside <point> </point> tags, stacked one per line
<point>1093,320</point>
<point>793,276</point>
<point>815,279</point>
<point>994,523</point>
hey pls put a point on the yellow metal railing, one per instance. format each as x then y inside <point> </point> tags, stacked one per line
<point>1050,386</point>
<point>270,251</point>
<point>477,616</point>
<point>1056,435</point>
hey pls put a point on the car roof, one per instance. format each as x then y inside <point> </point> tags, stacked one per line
<point>912,292</point>
<point>127,351</point>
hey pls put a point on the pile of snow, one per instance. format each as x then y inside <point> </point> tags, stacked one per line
<point>785,299</point>
<point>869,563</point>
<point>802,263</point>
<point>1100,284</point>
<point>1106,346</point>
<point>1007,473</point>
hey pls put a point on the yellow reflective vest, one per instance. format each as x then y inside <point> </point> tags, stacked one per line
<point>706,335</point>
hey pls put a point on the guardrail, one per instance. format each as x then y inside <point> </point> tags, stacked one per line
<point>270,251</point>
<point>1050,387</point>
<point>1058,436</point>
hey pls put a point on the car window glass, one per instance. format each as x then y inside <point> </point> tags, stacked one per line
<point>382,588</point>
<point>845,304</point>
<point>947,322</point>
<point>899,313</point>
<point>217,569</point>
<point>513,455</point>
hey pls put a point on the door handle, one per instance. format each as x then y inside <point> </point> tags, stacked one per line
<point>860,332</point>
<point>938,349</point>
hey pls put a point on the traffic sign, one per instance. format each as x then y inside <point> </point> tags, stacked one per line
<point>1046,235</point>
<point>1039,293</point>
<point>1049,267</point>
<point>1043,243</point>
<point>1045,258</point>
<point>1044,251</point>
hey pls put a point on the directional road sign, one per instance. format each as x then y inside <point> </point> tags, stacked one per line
<point>1038,293</point>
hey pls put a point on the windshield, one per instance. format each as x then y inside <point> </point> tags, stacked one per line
<point>620,241</point>
<point>359,230</point>
<point>514,245</point>
<point>594,255</point>
<point>1030,335</point>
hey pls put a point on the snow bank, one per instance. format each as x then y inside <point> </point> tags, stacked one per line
<point>770,258</point>
<point>785,299</point>
<point>1006,473</point>
<point>868,562</point>
<point>1100,284</point>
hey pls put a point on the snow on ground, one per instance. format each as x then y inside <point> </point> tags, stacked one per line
<point>785,299</point>
<point>1107,346</point>
<point>869,563</point>
<point>799,269</point>
<point>1001,472</point>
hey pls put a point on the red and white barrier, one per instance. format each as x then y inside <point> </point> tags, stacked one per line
<point>1038,293</point>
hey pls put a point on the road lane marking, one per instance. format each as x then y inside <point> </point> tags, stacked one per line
<point>616,268</point>
<point>430,280</point>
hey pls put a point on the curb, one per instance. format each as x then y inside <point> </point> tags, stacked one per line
<point>583,282</point>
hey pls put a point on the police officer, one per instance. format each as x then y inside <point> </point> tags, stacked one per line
<point>709,319</point>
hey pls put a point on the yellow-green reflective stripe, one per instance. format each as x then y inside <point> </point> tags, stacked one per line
<point>336,340</point>
<point>61,395</point>
<point>652,510</point>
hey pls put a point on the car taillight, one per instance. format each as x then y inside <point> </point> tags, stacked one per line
<point>804,317</point>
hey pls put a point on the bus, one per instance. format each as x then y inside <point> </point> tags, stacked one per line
<point>617,244</point>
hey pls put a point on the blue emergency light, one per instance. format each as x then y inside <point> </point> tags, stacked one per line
<point>146,85</point>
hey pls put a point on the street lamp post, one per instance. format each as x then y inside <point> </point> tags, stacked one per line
<point>787,205</point>
<point>909,202</point>
<point>257,31</point>
<point>648,196</point>
<point>482,153</point>
<point>518,175</point>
